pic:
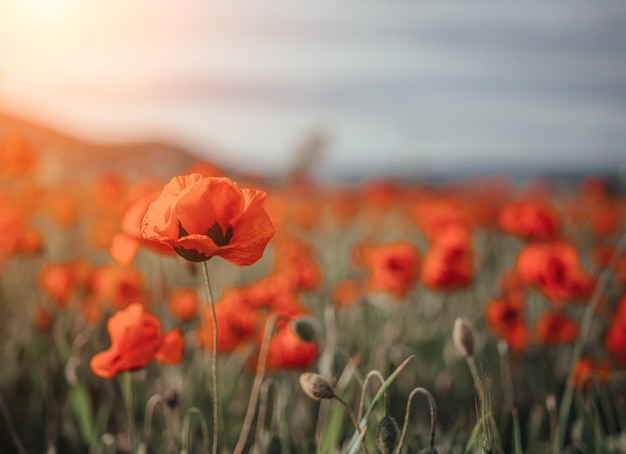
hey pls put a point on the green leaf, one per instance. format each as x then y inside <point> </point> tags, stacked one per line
<point>80,404</point>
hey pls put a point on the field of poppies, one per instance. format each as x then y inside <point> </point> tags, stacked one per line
<point>215,312</point>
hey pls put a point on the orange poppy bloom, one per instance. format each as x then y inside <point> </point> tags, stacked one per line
<point>203,217</point>
<point>615,339</point>
<point>435,216</point>
<point>184,303</point>
<point>62,280</point>
<point>288,351</point>
<point>553,327</point>
<point>119,285</point>
<point>554,268</point>
<point>449,263</point>
<point>136,340</point>
<point>394,267</point>
<point>236,324</point>
<point>533,219</point>
<point>506,319</point>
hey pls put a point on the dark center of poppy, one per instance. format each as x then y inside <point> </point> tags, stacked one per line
<point>510,315</point>
<point>219,237</point>
<point>215,232</point>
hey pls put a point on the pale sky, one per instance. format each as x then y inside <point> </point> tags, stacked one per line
<point>401,86</point>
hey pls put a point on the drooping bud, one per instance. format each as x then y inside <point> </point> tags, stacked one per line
<point>387,435</point>
<point>464,337</point>
<point>316,386</point>
<point>306,328</point>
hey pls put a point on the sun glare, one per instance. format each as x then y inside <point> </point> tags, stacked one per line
<point>44,10</point>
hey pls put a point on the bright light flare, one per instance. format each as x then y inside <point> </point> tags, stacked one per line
<point>43,10</point>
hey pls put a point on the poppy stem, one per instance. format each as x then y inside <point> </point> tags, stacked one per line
<point>129,404</point>
<point>258,381</point>
<point>214,355</point>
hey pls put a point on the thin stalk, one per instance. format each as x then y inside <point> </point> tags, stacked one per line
<point>352,418</point>
<point>370,374</point>
<point>147,422</point>
<point>129,404</point>
<point>214,356</point>
<point>187,432</point>
<point>258,381</point>
<point>433,417</point>
<point>260,421</point>
<point>478,384</point>
<point>585,328</point>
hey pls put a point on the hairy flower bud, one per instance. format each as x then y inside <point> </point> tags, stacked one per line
<point>387,435</point>
<point>464,337</point>
<point>316,386</point>
<point>306,328</point>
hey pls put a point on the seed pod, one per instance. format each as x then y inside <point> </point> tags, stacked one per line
<point>387,435</point>
<point>464,336</point>
<point>316,386</point>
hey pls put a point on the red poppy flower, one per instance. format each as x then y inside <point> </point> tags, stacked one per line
<point>119,285</point>
<point>61,280</point>
<point>184,303</point>
<point>554,268</point>
<point>288,351</point>
<point>203,217</point>
<point>136,340</point>
<point>434,217</point>
<point>449,263</point>
<point>533,219</point>
<point>553,327</point>
<point>394,267</point>
<point>236,322</point>
<point>505,317</point>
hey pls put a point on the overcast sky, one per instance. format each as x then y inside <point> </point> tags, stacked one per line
<point>401,86</point>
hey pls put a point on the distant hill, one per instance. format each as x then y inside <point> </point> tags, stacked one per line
<point>63,155</point>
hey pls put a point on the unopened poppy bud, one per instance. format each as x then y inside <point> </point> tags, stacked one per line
<point>387,434</point>
<point>316,386</point>
<point>171,398</point>
<point>306,328</point>
<point>464,336</point>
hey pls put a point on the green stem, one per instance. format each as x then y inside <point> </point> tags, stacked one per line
<point>214,356</point>
<point>128,401</point>
<point>585,328</point>
<point>478,384</point>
